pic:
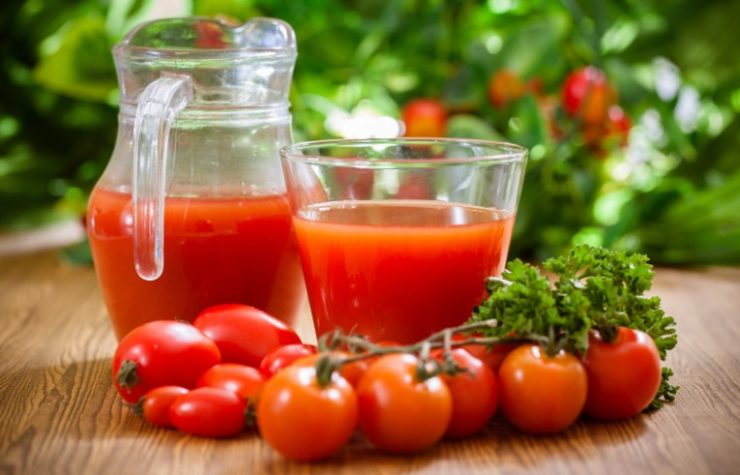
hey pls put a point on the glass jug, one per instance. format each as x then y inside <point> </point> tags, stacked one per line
<point>192,211</point>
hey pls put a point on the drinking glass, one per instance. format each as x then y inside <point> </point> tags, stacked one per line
<point>396,237</point>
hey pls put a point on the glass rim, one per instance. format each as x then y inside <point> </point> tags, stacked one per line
<point>500,152</point>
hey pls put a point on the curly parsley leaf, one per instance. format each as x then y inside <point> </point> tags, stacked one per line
<point>593,288</point>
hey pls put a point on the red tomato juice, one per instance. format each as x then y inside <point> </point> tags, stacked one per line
<point>398,270</point>
<point>216,250</point>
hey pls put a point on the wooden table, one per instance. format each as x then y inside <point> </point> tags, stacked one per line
<point>59,412</point>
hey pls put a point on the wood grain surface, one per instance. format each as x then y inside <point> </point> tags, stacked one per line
<point>59,412</point>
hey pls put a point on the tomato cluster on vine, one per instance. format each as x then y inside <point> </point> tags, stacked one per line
<point>237,367</point>
<point>587,104</point>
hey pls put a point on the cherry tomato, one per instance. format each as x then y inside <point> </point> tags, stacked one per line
<point>623,376</point>
<point>352,372</point>
<point>613,132</point>
<point>473,391</point>
<point>588,95</point>
<point>241,379</point>
<point>541,394</point>
<point>493,356</point>
<point>424,118</point>
<point>302,420</point>
<point>618,125</point>
<point>209,412</point>
<point>244,334</point>
<point>155,404</point>
<point>284,356</point>
<point>161,353</point>
<point>399,413</point>
<point>354,184</point>
<point>505,87</point>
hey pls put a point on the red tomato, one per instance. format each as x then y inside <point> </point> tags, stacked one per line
<point>414,187</point>
<point>541,394</point>
<point>424,118</point>
<point>209,412</point>
<point>351,372</point>
<point>355,184</point>
<point>588,95</point>
<point>161,353</point>
<point>505,87</point>
<point>302,420</point>
<point>474,396</point>
<point>243,380</point>
<point>244,334</point>
<point>283,357</point>
<point>623,376</point>
<point>493,356</point>
<point>155,405</point>
<point>618,125</point>
<point>399,413</point>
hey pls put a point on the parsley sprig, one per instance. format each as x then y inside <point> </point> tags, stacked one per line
<point>593,288</point>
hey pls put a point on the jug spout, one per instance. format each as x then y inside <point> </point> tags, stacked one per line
<point>248,65</point>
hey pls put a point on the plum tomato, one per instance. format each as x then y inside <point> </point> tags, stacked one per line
<point>154,406</point>
<point>284,356</point>
<point>245,381</point>
<point>474,393</point>
<point>303,420</point>
<point>623,375</point>
<point>424,118</point>
<point>398,412</point>
<point>587,94</point>
<point>541,394</point>
<point>209,412</point>
<point>244,334</point>
<point>161,353</point>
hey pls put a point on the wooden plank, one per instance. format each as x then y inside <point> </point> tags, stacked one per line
<point>60,413</point>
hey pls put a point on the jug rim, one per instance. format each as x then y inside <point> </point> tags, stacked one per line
<point>124,48</point>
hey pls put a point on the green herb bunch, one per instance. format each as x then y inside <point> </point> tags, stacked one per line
<point>592,289</point>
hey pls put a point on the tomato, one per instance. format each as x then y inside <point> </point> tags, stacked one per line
<point>283,357</point>
<point>541,394</point>
<point>244,334</point>
<point>618,125</point>
<point>241,379</point>
<point>424,118</point>
<point>505,87</point>
<point>351,372</point>
<point>473,391</point>
<point>623,376</point>
<point>399,413</point>
<point>588,95</point>
<point>302,420</point>
<point>493,356</point>
<point>154,406</point>
<point>209,412</point>
<point>614,132</point>
<point>414,187</point>
<point>161,353</point>
<point>354,183</point>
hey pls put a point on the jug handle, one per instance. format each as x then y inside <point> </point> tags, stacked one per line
<point>157,107</point>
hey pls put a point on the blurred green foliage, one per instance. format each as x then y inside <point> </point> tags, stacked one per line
<point>674,191</point>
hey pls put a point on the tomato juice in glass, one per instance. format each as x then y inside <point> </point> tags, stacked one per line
<point>406,253</point>
<point>421,270</point>
<point>216,250</point>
